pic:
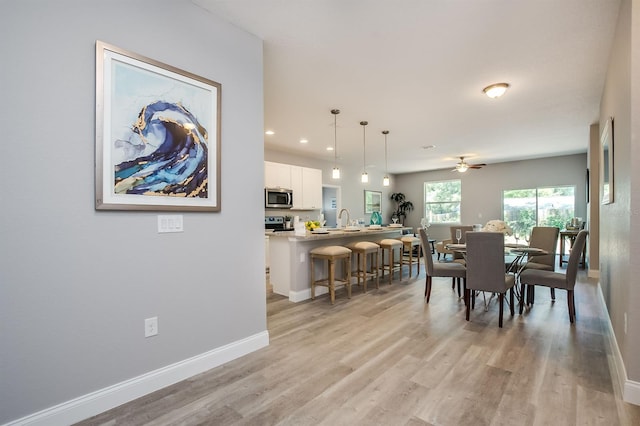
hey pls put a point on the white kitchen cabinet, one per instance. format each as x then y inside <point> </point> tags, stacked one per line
<point>305,182</point>
<point>312,188</point>
<point>307,188</point>
<point>297,186</point>
<point>277,175</point>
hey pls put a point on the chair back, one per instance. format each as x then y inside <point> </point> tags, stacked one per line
<point>545,238</point>
<point>485,261</point>
<point>428,260</point>
<point>574,258</point>
<point>464,229</point>
<point>463,240</point>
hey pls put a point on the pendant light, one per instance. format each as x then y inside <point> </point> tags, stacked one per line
<point>385,180</point>
<point>335,174</point>
<point>365,176</point>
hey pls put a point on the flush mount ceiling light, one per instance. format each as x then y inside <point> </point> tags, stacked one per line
<point>385,180</point>
<point>269,132</point>
<point>365,176</point>
<point>335,174</point>
<point>304,140</point>
<point>496,90</point>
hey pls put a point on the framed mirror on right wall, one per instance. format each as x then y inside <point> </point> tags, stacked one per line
<point>606,163</point>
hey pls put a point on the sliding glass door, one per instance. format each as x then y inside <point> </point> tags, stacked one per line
<point>549,206</point>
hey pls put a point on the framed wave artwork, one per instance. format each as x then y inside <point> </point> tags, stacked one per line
<point>157,135</point>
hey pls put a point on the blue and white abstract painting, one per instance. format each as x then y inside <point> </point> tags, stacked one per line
<point>156,145</point>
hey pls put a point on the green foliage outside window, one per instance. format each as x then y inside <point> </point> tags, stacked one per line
<point>442,201</point>
<point>526,208</point>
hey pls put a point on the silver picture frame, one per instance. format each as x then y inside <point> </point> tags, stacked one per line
<point>157,142</point>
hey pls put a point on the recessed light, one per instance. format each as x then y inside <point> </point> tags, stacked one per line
<point>304,141</point>
<point>269,132</point>
<point>329,148</point>
<point>428,146</point>
<point>496,90</point>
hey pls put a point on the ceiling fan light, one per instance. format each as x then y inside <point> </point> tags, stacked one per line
<point>462,167</point>
<point>496,90</point>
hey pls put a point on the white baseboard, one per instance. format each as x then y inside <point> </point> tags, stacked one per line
<point>629,389</point>
<point>110,397</point>
<point>299,296</point>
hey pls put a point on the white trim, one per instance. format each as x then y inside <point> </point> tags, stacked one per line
<point>632,392</point>
<point>629,389</point>
<point>105,399</point>
<point>299,296</point>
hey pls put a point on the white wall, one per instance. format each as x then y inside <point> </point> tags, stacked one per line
<point>76,284</point>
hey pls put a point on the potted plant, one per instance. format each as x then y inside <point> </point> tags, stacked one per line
<point>403,206</point>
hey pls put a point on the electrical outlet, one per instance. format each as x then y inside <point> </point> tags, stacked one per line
<point>625,323</point>
<point>150,327</point>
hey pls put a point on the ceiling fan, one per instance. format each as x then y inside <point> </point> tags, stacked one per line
<point>463,166</point>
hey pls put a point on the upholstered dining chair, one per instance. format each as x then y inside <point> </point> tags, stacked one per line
<point>454,270</point>
<point>566,281</point>
<point>485,269</point>
<point>545,238</point>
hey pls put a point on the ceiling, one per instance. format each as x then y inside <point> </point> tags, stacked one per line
<point>417,68</point>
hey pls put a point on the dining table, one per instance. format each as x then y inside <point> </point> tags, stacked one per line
<point>516,258</point>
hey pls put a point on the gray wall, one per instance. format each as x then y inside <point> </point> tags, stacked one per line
<point>619,245</point>
<point>482,188</point>
<point>75,283</point>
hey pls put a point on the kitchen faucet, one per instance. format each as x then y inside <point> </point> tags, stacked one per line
<point>348,216</point>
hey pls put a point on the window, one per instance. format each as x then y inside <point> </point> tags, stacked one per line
<point>442,201</point>
<point>525,208</point>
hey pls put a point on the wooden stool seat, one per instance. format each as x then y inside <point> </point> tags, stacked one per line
<point>331,254</point>
<point>409,243</point>
<point>390,245</point>
<point>364,250</point>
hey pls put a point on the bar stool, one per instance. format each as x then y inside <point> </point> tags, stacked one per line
<point>331,254</point>
<point>409,242</point>
<point>363,250</point>
<point>390,245</point>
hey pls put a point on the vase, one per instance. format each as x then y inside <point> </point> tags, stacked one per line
<point>376,218</point>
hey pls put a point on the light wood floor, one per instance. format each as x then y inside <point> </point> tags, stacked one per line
<point>387,358</point>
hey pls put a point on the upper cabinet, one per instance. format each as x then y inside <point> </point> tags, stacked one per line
<point>277,175</point>
<point>305,182</point>
<point>307,188</point>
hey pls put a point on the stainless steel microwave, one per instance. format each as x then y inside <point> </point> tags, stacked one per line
<point>278,198</point>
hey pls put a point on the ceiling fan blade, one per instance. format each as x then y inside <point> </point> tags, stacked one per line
<point>474,166</point>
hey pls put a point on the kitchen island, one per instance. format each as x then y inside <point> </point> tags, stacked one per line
<point>289,256</point>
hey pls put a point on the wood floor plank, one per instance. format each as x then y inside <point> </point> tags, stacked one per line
<point>385,357</point>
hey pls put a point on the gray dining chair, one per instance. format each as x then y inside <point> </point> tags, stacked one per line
<point>553,280</point>
<point>545,238</point>
<point>485,269</point>
<point>454,270</point>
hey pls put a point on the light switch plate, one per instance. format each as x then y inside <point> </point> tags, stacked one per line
<point>170,223</point>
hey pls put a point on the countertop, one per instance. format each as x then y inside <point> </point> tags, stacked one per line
<point>336,233</point>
